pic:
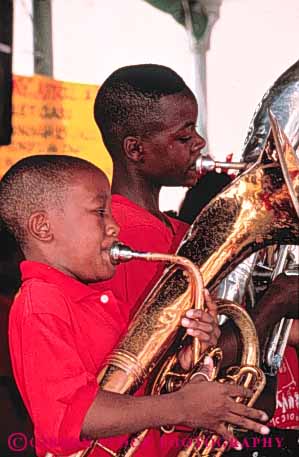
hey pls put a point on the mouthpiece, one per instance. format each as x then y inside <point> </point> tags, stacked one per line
<point>119,252</point>
<point>206,163</point>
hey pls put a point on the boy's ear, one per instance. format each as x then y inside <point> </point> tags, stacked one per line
<point>39,226</point>
<point>133,149</point>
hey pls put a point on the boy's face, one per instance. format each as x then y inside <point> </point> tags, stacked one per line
<point>170,154</point>
<point>84,230</point>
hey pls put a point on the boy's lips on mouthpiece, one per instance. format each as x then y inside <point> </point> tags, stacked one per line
<point>192,169</point>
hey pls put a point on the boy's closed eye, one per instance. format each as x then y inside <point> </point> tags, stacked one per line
<point>184,139</point>
<point>103,212</point>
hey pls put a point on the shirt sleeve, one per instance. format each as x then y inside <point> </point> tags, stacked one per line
<point>53,380</point>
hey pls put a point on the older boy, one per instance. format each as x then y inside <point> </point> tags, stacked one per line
<point>61,330</point>
<point>147,117</point>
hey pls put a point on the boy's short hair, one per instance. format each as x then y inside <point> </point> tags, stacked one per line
<point>126,103</point>
<point>35,183</point>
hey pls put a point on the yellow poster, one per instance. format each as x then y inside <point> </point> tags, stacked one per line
<point>54,117</point>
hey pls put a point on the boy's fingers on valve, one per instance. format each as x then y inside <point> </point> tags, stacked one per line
<point>211,304</point>
<point>197,325</point>
<point>247,424</point>
<point>246,411</point>
<point>233,390</point>
<point>200,315</point>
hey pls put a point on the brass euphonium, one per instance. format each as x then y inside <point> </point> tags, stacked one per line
<point>153,329</point>
<point>259,208</point>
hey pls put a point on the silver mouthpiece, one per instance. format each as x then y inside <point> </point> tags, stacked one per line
<point>119,252</point>
<point>206,164</point>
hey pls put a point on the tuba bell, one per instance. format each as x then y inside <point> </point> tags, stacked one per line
<point>259,208</point>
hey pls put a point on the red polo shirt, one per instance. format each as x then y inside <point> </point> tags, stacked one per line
<point>60,332</point>
<point>142,231</point>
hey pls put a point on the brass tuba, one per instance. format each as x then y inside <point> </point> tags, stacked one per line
<point>252,276</point>
<point>259,208</point>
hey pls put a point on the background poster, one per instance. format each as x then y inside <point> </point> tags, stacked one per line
<point>54,117</point>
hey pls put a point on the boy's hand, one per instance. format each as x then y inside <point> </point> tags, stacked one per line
<point>203,325</point>
<point>211,405</point>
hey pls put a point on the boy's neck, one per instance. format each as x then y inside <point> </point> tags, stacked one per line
<point>136,188</point>
<point>141,193</point>
<point>34,254</point>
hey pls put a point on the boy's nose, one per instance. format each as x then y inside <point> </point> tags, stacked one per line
<point>112,228</point>
<point>198,144</point>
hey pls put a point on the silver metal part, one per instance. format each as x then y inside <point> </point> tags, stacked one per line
<point>277,343</point>
<point>283,100</point>
<point>234,286</point>
<point>119,252</point>
<point>206,164</point>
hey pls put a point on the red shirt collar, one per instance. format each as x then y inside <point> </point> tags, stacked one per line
<point>75,289</point>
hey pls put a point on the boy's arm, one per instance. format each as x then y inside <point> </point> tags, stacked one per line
<point>203,404</point>
<point>280,300</point>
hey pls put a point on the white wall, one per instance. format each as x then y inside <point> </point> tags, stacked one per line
<point>22,38</point>
<point>252,43</point>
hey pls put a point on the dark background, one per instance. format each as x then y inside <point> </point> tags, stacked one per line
<point>6,20</point>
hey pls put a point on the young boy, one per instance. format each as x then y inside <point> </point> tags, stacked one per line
<point>61,330</point>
